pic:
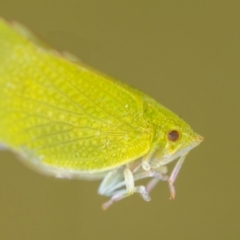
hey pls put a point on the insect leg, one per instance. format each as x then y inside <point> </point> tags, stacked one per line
<point>115,180</point>
<point>128,181</point>
<point>174,174</point>
<point>145,161</point>
<point>112,181</point>
<point>153,182</point>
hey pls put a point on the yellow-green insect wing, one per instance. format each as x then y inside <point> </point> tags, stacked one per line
<point>66,114</point>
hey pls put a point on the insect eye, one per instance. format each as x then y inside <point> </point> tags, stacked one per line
<point>173,135</point>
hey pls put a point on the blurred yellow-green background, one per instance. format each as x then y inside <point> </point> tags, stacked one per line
<point>185,54</point>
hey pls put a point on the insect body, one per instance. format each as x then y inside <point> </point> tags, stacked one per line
<point>67,120</point>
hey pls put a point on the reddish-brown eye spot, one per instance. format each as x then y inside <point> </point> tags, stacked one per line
<point>173,135</point>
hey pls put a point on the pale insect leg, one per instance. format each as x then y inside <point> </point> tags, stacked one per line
<point>145,161</point>
<point>174,174</point>
<point>110,185</point>
<point>118,194</point>
<point>109,182</point>
<point>153,182</point>
<point>114,181</point>
<point>156,174</point>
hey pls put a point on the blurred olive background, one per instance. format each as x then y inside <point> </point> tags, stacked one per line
<point>186,55</point>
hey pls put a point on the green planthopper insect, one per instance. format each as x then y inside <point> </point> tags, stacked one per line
<point>69,121</point>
